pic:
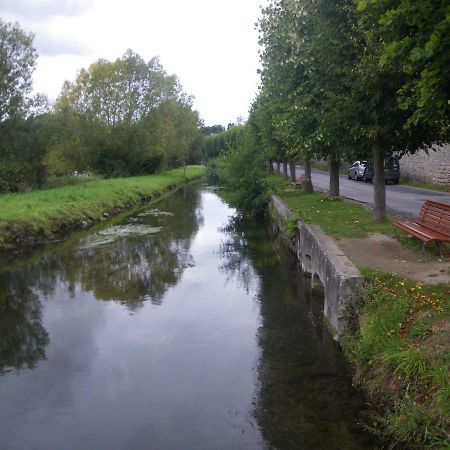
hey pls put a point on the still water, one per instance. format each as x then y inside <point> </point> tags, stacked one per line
<point>174,327</point>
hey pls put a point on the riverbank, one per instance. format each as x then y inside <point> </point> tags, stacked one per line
<point>398,331</point>
<point>34,218</point>
<point>368,244</point>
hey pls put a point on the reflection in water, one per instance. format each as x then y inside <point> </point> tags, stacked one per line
<point>120,262</point>
<point>138,268</point>
<point>205,337</point>
<point>22,337</point>
<point>306,400</point>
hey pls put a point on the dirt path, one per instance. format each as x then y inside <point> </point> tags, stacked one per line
<point>387,254</point>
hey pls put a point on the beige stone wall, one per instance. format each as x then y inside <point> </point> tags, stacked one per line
<point>431,168</point>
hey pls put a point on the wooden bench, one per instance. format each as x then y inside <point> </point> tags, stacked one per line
<point>432,225</point>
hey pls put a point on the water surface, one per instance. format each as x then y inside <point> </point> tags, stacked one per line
<point>174,327</point>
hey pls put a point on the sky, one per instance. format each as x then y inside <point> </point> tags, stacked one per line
<point>211,45</point>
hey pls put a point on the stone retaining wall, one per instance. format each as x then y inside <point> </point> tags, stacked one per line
<point>433,167</point>
<point>320,257</point>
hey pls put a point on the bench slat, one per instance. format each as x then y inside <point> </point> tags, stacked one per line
<point>432,224</point>
<point>444,206</point>
<point>435,215</point>
<point>433,221</point>
<point>423,233</point>
<point>434,212</point>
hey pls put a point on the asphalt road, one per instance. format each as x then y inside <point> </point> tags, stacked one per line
<point>404,201</point>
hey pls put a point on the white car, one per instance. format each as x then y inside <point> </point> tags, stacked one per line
<point>356,170</point>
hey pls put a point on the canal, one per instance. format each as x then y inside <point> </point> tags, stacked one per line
<point>177,326</point>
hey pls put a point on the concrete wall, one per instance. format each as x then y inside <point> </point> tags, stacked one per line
<point>320,256</point>
<point>433,167</point>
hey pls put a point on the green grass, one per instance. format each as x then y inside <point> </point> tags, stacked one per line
<point>70,180</point>
<point>35,215</point>
<point>401,349</point>
<point>277,184</point>
<point>431,186</point>
<point>335,216</point>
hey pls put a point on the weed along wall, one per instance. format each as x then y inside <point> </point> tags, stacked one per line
<point>320,257</point>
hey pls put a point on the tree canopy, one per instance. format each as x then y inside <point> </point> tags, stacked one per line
<point>415,40</point>
<point>117,118</point>
<point>17,63</point>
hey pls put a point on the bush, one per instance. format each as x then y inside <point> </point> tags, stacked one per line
<point>242,170</point>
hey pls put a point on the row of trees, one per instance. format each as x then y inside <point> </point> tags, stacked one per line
<point>122,117</point>
<point>352,79</point>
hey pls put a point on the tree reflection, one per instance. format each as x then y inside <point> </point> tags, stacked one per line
<point>130,271</point>
<point>305,397</point>
<point>22,337</point>
<point>134,270</point>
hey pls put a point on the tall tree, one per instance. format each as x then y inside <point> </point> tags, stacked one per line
<point>17,62</point>
<point>124,117</point>
<point>120,92</point>
<point>414,38</point>
<point>385,125</point>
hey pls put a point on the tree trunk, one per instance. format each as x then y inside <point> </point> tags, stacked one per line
<point>285,169</point>
<point>292,170</point>
<point>307,184</point>
<point>379,185</point>
<point>270,166</point>
<point>334,176</point>
<point>279,167</point>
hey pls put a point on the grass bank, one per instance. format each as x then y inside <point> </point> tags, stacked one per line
<point>336,217</point>
<point>430,186</point>
<point>399,346</point>
<point>30,218</point>
<point>398,340</point>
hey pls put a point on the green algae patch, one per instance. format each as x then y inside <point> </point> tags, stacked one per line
<point>30,218</point>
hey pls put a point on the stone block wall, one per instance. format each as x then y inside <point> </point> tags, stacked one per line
<point>433,167</point>
<point>320,256</point>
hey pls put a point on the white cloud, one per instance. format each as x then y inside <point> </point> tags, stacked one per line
<point>34,10</point>
<point>54,45</point>
<point>210,45</point>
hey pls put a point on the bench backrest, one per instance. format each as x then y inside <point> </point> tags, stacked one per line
<point>435,215</point>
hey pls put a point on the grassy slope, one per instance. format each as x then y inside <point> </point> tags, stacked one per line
<point>400,348</point>
<point>401,338</point>
<point>26,218</point>
<point>335,216</point>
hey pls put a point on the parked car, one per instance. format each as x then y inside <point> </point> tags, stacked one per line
<point>391,170</point>
<point>356,170</point>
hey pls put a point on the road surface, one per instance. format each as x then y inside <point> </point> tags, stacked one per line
<point>404,201</point>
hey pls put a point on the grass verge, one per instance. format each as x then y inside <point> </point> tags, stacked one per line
<point>430,186</point>
<point>399,345</point>
<point>336,217</point>
<point>30,218</point>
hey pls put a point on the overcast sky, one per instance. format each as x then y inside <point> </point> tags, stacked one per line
<point>211,45</point>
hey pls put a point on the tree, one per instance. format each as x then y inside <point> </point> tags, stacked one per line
<point>17,62</point>
<point>332,87</point>
<point>211,130</point>
<point>414,41</point>
<point>309,51</point>
<point>243,172</point>
<point>385,126</point>
<point>119,92</point>
<point>125,117</point>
